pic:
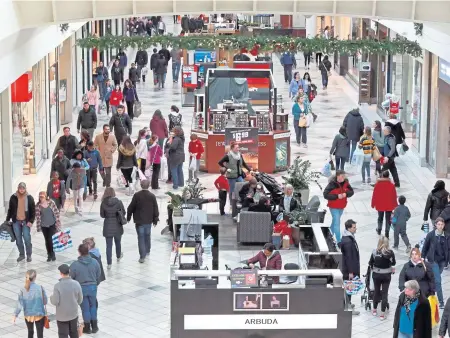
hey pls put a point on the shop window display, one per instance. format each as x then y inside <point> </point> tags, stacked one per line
<point>23,138</point>
<point>39,105</point>
<point>53,94</point>
<point>415,105</point>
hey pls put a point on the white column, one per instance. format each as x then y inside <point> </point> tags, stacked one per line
<point>424,108</point>
<point>7,151</point>
<point>311,26</point>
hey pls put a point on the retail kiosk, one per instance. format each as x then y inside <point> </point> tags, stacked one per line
<point>225,111</point>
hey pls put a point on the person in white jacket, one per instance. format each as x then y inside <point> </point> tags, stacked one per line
<point>142,149</point>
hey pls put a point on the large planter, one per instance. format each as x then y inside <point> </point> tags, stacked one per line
<point>305,196</point>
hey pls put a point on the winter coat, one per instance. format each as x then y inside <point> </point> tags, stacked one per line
<point>154,155</point>
<point>325,67</point>
<point>245,190</point>
<point>297,111</point>
<point>333,189</point>
<point>143,208</point>
<point>127,158</point>
<point>444,326</point>
<point>117,73</point>
<point>102,74</point>
<point>133,74</point>
<point>354,125</point>
<point>116,98</point>
<point>161,66</point>
<point>77,179</point>
<point>176,151</point>
<point>436,202</point>
<point>108,91</point>
<point>108,210</point>
<point>240,164</point>
<point>175,120</point>
<point>87,119</point>
<point>55,211</point>
<point>196,147</point>
<point>378,137</point>
<point>445,214</point>
<point>153,60</point>
<point>340,147</point>
<point>165,52</point>
<point>86,271</point>
<point>142,149</point>
<point>92,98</point>
<point>350,256</point>
<point>294,204</point>
<point>95,254</point>
<point>293,87</point>
<point>396,130</point>
<point>158,127</point>
<point>384,197</point>
<point>106,149</point>
<point>185,23</point>
<point>62,190</point>
<point>429,247</point>
<point>69,144</point>
<point>422,273</point>
<point>273,262</point>
<point>176,55</point>
<point>141,58</point>
<point>287,59</point>
<point>61,166</point>
<point>30,209</point>
<point>130,94</point>
<point>121,124</point>
<point>422,317</point>
<point>123,59</point>
<point>94,159</point>
<point>389,149</point>
<point>382,260</point>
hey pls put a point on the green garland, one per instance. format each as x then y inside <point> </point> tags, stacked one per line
<point>264,42</point>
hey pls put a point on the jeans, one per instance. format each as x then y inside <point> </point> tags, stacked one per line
<point>325,79</point>
<point>387,226</point>
<point>39,328</point>
<point>307,59</point>
<point>365,169</point>
<point>109,244</point>
<point>400,229</point>
<point>340,163</point>
<point>102,89</point>
<point>405,335</point>
<point>48,232</point>
<point>93,179</point>
<point>352,150</point>
<point>177,176</point>
<point>155,78</point>
<point>303,136</point>
<point>176,70</point>
<point>161,79</point>
<point>21,230</point>
<point>437,270</point>
<point>107,176</point>
<point>336,215</point>
<point>381,283</point>
<point>89,303</point>
<point>297,131</point>
<point>69,328</point>
<point>390,165</point>
<point>287,73</point>
<point>144,232</point>
<point>232,183</point>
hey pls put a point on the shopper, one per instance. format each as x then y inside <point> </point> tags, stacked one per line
<point>22,212</point>
<point>161,70</point>
<point>421,271</point>
<point>307,57</point>
<point>78,156</point>
<point>176,158</point>
<point>153,59</point>
<point>340,148</point>
<point>354,126</point>
<point>154,156</point>
<point>161,27</point>
<point>84,139</point>
<point>350,257</point>
<point>384,200</point>
<point>48,221</point>
<point>413,314</point>
<point>195,153</point>
<point>175,118</point>
<point>289,202</point>
<point>87,119</point>
<point>144,210</point>
<point>112,228</point>
<point>56,191</point>
<point>367,144</point>
<point>94,160</point>
<point>126,162</point>
<point>92,98</point>
<point>106,144</point>
<point>86,271</point>
<point>396,128</point>
<point>77,182</point>
<point>294,85</point>
<point>33,301</point>
<point>268,259</point>
<point>336,193</point>
<point>130,96</point>
<point>158,127</point>
<point>234,162</point>
<point>102,76</point>
<point>141,145</point>
<point>60,164</point>
<point>116,73</point>
<point>67,142</point>
<point>444,327</point>
<point>176,55</point>
<point>301,120</point>
<point>223,187</point>
<point>66,297</point>
<point>287,61</point>
<point>109,88</point>
<point>247,192</point>
<point>115,99</point>
<point>141,62</point>
<point>133,76</point>
<point>378,137</point>
<point>399,220</point>
<point>123,62</point>
<point>325,67</point>
<point>95,254</point>
<point>436,202</point>
<point>445,214</point>
<point>121,124</point>
<point>390,153</point>
<point>382,263</point>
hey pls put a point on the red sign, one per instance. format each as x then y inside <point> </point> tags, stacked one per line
<point>255,82</point>
<point>189,76</point>
<point>22,89</point>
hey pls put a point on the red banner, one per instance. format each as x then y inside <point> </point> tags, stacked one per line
<point>22,89</point>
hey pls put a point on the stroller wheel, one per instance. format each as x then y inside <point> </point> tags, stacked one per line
<point>363,299</point>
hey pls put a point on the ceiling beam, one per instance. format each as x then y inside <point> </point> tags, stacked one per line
<point>255,5</point>
<point>335,7</point>
<point>174,6</point>
<point>54,13</point>
<point>94,8</point>
<point>413,10</point>
<point>374,8</point>
<point>214,6</point>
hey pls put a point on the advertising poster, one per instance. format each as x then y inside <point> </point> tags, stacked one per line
<point>189,76</point>
<point>247,138</point>
<point>62,90</point>
<point>281,154</point>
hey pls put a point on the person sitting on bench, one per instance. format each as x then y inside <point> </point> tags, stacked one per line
<point>263,205</point>
<point>288,203</point>
<point>247,193</point>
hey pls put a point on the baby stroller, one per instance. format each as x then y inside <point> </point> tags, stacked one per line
<point>274,188</point>
<point>367,296</point>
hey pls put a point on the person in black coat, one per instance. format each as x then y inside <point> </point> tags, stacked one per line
<point>165,52</point>
<point>153,59</point>
<point>141,61</point>
<point>436,202</point>
<point>288,202</point>
<point>419,270</point>
<point>445,215</point>
<point>133,75</point>
<point>161,70</point>
<point>354,126</point>
<point>121,124</point>
<point>413,297</point>
<point>67,142</point>
<point>396,129</point>
<point>116,73</point>
<point>246,193</point>
<point>263,205</point>
<point>444,327</point>
<point>149,27</point>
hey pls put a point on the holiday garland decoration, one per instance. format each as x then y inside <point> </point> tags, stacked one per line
<point>262,42</point>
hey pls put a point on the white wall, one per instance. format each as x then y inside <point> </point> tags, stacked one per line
<point>8,19</point>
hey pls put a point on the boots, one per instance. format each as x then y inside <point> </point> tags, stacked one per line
<point>87,328</point>
<point>380,226</point>
<point>94,326</point>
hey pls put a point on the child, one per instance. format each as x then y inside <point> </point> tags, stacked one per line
<point>223,187</point>
<point>77,182</point>
<point>366,143</point>
<point>195,151</point>
<point>400,217</point>
<point>94,160</point>
<point>78,156</point>
<point>154,160</point>
<point>56,190</point>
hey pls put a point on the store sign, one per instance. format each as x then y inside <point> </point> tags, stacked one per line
<point>261,322</point>
<point>22,89</point>
<point>247,138</point>
<point>189,76</point>
<point>444,70</point>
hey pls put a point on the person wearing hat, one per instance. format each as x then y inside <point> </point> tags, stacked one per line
<point>87,120</point>
<point>67,296</point>
<point>22,211</point>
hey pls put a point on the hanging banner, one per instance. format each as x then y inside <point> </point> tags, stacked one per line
<point>247,138</point>
<point>189,76</point>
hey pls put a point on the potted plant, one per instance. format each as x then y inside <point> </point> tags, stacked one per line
<point>300,175</point>
<point>175,203</point>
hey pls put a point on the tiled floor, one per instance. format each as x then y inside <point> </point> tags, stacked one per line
<point>134,299</point>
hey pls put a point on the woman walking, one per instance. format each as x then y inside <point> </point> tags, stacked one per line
<point>126,162</point>
<point>384,200</point>
<point>47,221</point>
<point>33,301</point>
<point>306,83</point>
<point>84,139</point>
<point>301,120</point>
<point>382,263</point>
<point>158,127</point>
<point>93,97</point>
<point>115,99</point>
<point>176,157</point>
<point>142,149</point>
<point>154,160</point>
<point>366,143</point>
<point>436,202</point>
<point>175,118</point>
<point>378,137</point>
<point>324,68</point>
<point>340,148</point>
<point>130,96</point>
<point>295,85</point>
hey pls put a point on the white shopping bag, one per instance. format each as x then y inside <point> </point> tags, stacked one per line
<point>163,173</point>
<point>193,164</point>
<point>62,240</point>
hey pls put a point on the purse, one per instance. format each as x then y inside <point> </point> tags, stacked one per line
<point>121,217</point>
<point>46,320</point>
<point>376,155</point>
<point>302,122</point>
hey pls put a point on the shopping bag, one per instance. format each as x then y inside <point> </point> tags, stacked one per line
<point>358,157</point>
<point>137,111</point>
<point>163,173</point>
<point>6,232</point>
<point>148,173</point>
<point>376,155</point>
<point>62,240</point>
<point>326,169</point>
<point>302,122</point>
<point>401,149</point>
<point>193,164</point>
<point>121,182</point>
<point>352,287</point>
<point>434,310</point>
<point>142,175</point>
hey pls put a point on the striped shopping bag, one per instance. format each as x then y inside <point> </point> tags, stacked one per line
<point>62,240</point>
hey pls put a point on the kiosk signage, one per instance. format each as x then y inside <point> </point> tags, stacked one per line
<point>189,77</point>
<point>247,138</point>
<point>243,278</point>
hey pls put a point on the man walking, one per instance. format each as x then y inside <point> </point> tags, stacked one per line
<point>87,120</point>
<point>116,73</point>
<point>141,61</point>
<point>67,296</point>
<point>336,193</point>
<point>390,152</point>
<point>144,209</point>
<point>121,124</point>
<point>287,61</point>
<point>153,61</point>
<point>350,257</point>
<point>94,160</point>
<point>106,145</point>
<point>67,142</point>
<point>60,164</point>
<point>176,54</point>
<point>102,76</point>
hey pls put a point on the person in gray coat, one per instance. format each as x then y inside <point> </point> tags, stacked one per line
<point>340,148</point>
<point>176,157</point>
<point>354,126</point>
<point>112,228</point>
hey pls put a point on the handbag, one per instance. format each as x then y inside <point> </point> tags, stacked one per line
<point>376,155</point>
<point>328,72</point>
<point>120,215</point>
<point>302,122</point>
<point>46,320</point>
<point>137,111</point>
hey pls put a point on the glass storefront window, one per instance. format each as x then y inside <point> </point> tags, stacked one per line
<point>39,91</point>
<point>355,59</point>
<point>434,108</point>
<point>415,104</point>
<point>53,81</point>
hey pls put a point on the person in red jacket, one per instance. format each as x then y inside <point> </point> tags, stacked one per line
<point>195,151</point>
<point>115,99</point>
<point>268,259</point>
<point>384,200</point>
<point>223,187</point>
<point>336,193</point>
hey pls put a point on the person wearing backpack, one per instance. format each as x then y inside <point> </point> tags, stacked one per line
<point>436,202</point>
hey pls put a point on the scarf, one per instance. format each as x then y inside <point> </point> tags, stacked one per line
<point>409,300</point>
<point>236,156</point>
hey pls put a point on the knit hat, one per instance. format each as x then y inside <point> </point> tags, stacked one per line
<point>22,185</point>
